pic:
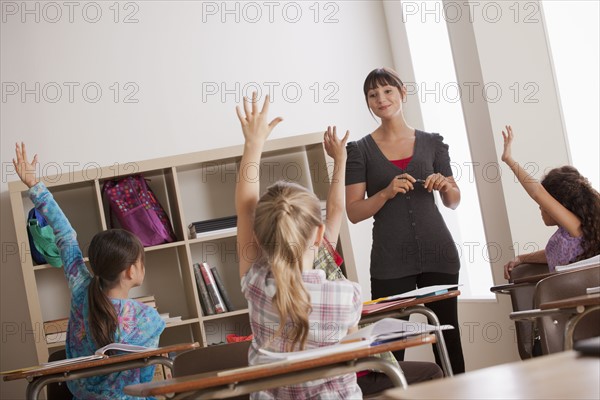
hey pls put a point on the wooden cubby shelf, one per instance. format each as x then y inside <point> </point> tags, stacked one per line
<point>191,187</point>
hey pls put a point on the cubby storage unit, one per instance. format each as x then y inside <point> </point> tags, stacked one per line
<point>191,187</point>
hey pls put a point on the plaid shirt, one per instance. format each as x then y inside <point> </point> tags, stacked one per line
<point>336,306</point>
<point>325,261</point>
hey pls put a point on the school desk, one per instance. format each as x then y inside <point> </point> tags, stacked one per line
<point>228,383</point>
<point>417,306</point>
<point>576,307</point>
<point>39,377</point>
<point>564,375</point>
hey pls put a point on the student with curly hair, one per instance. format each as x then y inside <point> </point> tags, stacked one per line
<point>567,200</point>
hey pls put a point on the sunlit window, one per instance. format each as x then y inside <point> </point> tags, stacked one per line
<point>572,28</point>
<point>439,97</point>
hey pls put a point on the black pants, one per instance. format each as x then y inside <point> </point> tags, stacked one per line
<point>446,310</point>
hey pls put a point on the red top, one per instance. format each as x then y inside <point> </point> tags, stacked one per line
<point>402,164</point>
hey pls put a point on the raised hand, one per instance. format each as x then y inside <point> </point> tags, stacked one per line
<point>254,123</point>
<point>508,138</point>
<point>335,148</point>
<point>25,169</point>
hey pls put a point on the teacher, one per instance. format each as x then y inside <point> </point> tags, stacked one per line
<point>399,168</point>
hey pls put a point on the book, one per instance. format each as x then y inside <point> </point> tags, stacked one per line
<point>75,360</point>
<point>387,329</point>
<point>130,348</point>
<point>213,224</point>
<point>592,290</point>
<point>56,337</point>
<point>205,301</point>
<point>588,262</point>
<point>213,291</point>
<point>384,330</point>
<point>56,326</point>
<point>417,293</point>
<point>222,289</point>
<point>383,305</point>
<point>315,352</point>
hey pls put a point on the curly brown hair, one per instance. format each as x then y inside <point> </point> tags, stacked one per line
<point>575,193</point>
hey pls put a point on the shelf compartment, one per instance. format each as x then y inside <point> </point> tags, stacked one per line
<point>217,330</point>
<point>162,184</point>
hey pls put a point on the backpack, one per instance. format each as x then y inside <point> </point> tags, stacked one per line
<point>137,210</point>
<point>41,240</point>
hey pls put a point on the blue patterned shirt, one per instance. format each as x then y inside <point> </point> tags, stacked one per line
<point>139,324</point>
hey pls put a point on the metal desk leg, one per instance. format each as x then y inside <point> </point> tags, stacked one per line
<point>432,319</point>
<point>292,378</point>
<point>572,323</point>
<point>37,384</point>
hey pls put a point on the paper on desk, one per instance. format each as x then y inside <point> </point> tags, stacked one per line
<point>391,328</point>
<point>588,262</point>
<point>316,352</point>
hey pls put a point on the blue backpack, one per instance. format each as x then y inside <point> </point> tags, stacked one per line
<point>35,218</point>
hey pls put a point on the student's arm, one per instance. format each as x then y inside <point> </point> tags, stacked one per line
<point>256,131</point>
<point>538,193</point>
<point>537,257</point>
<point>336,149</point>
<point>65,236</point>
<point>358,208</point>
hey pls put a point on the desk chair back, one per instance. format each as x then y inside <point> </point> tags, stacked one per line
<point>522,299</point>
<point>212,358</point>
<point>562,286</point>
<point>58,390</point>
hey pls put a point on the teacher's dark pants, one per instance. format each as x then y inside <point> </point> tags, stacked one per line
<point>446,310</point>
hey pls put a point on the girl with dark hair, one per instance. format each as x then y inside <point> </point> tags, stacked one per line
<point>567,200</point>
<point>398,167</point>
<point>101,312</point>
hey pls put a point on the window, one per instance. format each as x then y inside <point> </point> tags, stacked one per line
<point>439,97</point>
<point>572,28</point>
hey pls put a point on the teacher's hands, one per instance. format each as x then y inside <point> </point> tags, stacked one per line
<point>438,182</point>
<point>400,184</point>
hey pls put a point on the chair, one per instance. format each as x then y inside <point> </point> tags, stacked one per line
<point>521,297</point>
<point>562,286</point>
<point>58,390</point>
<point>212,358</point>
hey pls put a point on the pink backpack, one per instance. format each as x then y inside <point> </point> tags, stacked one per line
<point>138,210</point>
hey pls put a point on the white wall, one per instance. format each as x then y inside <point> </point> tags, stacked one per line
<point>172,53</point>
<point>169,55</point>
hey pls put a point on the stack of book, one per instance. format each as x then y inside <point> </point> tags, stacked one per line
<point>211,290</point>
<point>55,331</point>
<point>210,225</point>
<point>148,300</point>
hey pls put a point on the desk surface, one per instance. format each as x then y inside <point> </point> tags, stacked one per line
<point>377,315</point>
<point>572,302</point>
<point>43,371</point>
<point>214,379</point>
<point>565,375</point>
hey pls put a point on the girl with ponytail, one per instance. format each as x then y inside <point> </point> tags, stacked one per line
<point>101,312</point>
<point>291,305</point>
<point>567,200</point>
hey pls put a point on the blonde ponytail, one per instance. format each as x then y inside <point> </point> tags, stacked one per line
<point>285,221</point>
